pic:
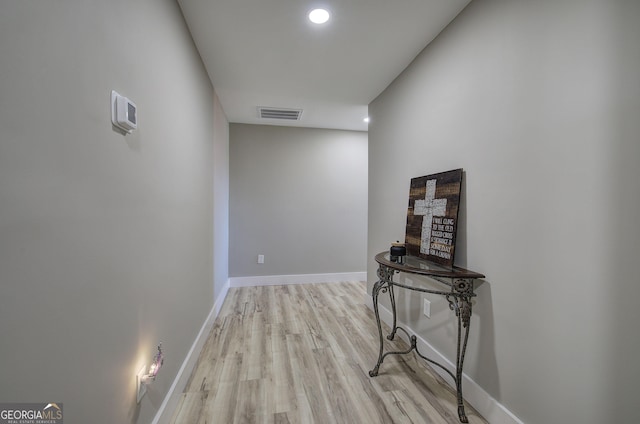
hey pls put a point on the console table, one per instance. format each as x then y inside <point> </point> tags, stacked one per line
<point>459,291</point>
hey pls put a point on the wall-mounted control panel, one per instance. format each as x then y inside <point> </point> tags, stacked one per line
<point>124,113</point>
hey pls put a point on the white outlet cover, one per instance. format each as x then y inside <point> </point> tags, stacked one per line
<point>426,310</point>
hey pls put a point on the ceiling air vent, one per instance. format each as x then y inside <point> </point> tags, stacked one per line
<point>279,113</point>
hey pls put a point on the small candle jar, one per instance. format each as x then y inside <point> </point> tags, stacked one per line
<point>397,252</point>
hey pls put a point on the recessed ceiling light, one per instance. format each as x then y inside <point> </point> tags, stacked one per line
<point>318,16</point>
<point>367,119</point>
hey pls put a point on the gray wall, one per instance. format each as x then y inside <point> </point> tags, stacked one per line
<point>105,240</point>
<point>539,103</point>
<point>298,196</point>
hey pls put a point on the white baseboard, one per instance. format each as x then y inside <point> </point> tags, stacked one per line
<point>172,398</point>
<point>278,280</point>
<point>492,410</point>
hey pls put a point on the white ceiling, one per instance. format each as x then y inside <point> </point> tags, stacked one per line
<point>267,53</point>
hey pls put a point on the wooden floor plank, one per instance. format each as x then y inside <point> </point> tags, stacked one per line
<point>300,354</point>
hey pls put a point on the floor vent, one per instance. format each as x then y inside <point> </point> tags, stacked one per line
<point>279,113</point>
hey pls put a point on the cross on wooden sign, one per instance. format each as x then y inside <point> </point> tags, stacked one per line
<point>428,208</point>
<point>432,216</point>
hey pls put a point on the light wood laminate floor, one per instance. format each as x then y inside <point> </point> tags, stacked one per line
<point>301,354</point>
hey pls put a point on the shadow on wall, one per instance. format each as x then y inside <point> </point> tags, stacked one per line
<point>461,231</point>
<point>482,346</point>
<point>620,287</point>
<point>487,374</point>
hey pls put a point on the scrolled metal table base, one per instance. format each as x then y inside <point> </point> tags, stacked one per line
<point>459,298</point>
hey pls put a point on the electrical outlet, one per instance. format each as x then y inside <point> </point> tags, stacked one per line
<point>426,309</point>
<point>260,259</point>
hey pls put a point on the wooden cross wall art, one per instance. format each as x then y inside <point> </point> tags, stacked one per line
<point>432,216</point>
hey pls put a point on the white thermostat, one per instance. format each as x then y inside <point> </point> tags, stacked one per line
<point>124,113</point>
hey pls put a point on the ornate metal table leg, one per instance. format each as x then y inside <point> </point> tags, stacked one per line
<point>460,302</point>
<point>376,290</point>
<point>392,298</point>
<point>385,276</point>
